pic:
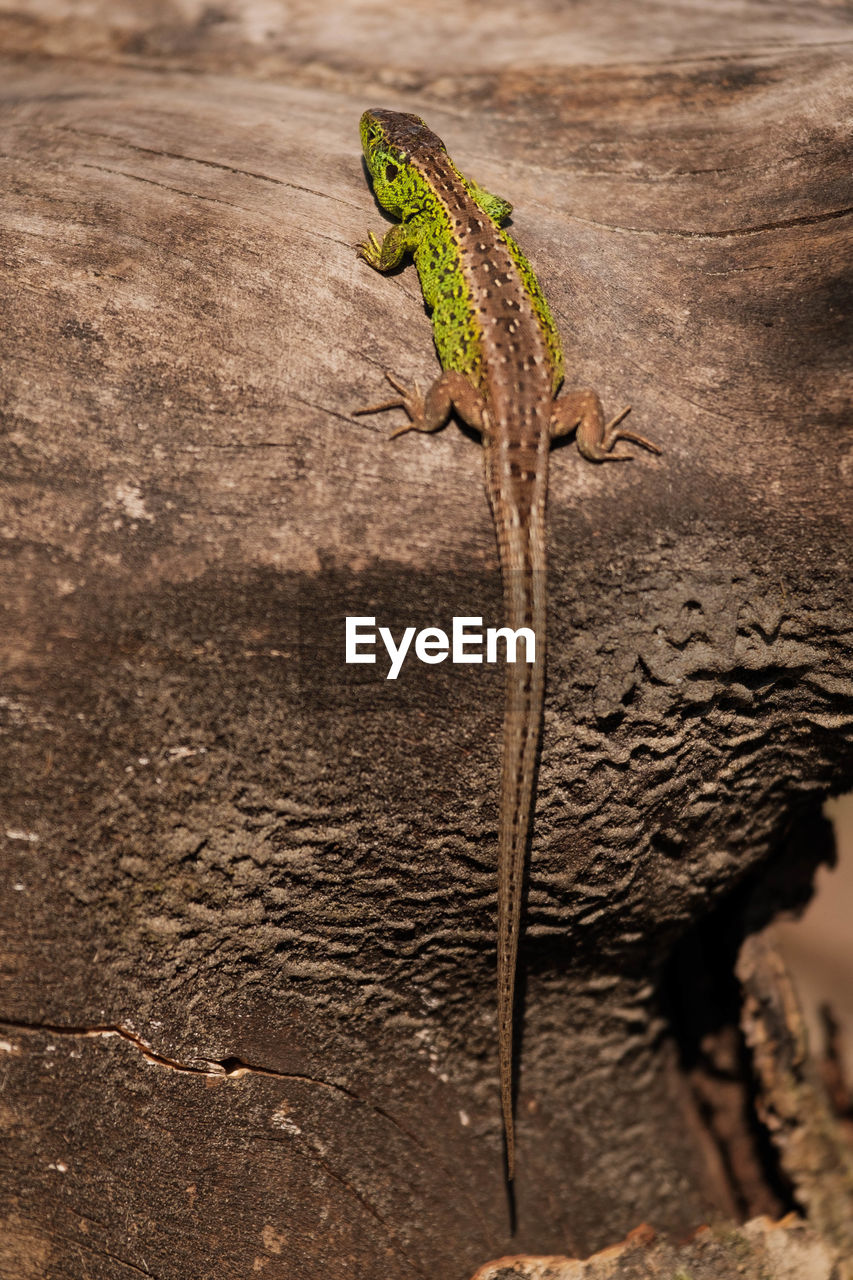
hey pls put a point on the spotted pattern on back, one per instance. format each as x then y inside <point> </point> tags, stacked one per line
<point>487,306</point>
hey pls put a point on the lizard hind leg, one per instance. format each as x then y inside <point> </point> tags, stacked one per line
<point>581,410</point>
<point>430,412</point>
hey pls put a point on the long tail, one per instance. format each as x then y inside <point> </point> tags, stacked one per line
<point>522,549</point>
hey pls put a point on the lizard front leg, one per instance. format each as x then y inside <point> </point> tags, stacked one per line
<point>450,393</point>
<point>401,239</point>
<point>582,410</point>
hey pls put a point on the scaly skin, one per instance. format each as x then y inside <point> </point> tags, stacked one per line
<point>503,365</point>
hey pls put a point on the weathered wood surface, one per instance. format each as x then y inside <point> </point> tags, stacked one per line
<point>786,1250</point>
<point>248,1000</point>
<point>791,1099</point>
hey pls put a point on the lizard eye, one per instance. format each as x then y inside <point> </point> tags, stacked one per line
<point>391,172</point>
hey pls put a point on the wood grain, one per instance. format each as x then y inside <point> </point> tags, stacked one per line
<point>249,952</point>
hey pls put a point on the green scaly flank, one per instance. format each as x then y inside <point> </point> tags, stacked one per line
<point>426,232</point>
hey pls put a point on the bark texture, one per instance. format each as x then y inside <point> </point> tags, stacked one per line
<point>786,1250</point>
<point>248,1014</point>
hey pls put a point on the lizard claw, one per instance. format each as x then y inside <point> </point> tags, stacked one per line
<point>369,249</point>
<point>413,402</point>
<point>410,400</point>
<point>612,434</point>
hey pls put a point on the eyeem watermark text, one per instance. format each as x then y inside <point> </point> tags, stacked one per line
<point>431,645</point>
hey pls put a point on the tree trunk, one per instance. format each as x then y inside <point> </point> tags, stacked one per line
<point>248,1018</point>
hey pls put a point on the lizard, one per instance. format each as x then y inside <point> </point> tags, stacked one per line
<point>502,369</point>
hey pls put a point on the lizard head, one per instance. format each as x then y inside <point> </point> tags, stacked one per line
<point>391,141</point>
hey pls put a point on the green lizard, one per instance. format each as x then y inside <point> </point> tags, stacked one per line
<point>503,366</point>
